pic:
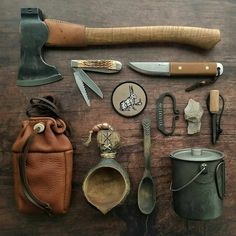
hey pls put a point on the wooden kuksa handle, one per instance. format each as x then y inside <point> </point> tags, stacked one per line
<point>214,101</point>
<point>193,69</point>
<point>64,34</point>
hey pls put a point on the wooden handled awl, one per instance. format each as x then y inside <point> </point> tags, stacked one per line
<point>214,101</point>
<point>213,104</point>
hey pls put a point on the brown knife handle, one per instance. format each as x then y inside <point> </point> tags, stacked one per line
<point>214,101</point>
<point>72,35</point>
<point>193,69</point>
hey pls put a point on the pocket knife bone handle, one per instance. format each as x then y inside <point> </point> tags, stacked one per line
<point>103,66</point>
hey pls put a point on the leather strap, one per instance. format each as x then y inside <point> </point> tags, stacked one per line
<point>65,34</point>
<point>46,106</point>
<point>23,178</point>
<point>204,82</point>
<point>43,107</point>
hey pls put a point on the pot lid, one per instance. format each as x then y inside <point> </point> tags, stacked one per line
<point>197,154</point>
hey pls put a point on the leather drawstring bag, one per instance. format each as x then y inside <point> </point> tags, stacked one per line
<point>43,160</point>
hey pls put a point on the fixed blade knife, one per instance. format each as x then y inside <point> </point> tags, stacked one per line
<point>178,68</point>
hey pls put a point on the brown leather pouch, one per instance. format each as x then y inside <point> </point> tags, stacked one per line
<point>42,160</point>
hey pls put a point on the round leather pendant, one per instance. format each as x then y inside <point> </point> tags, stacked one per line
<point>129,99</point>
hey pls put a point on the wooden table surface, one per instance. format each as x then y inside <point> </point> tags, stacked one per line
<point>82,219</point>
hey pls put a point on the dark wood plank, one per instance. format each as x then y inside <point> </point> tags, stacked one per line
<point>82,219</point>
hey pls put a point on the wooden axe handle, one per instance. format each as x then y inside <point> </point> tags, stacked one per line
<point>64,34</point>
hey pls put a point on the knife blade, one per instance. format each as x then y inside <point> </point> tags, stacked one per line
<point>178,68</point>
<point>88,81</point>
<point>80,84</point>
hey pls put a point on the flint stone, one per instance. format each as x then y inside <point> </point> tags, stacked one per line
<point>193,113</point>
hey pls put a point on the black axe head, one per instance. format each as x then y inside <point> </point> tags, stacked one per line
<point>33,69</point>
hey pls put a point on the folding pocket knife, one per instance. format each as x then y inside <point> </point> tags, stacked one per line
<point>81,78</point>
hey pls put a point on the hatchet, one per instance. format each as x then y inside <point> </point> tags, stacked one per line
<point>36,32</point>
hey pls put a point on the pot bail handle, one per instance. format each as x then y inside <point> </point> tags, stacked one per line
<point>221,193</point>
<point>203,168</point>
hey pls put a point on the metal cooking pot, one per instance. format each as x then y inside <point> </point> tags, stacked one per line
<point>198,183</point>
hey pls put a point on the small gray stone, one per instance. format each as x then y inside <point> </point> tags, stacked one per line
<point>193,113</point>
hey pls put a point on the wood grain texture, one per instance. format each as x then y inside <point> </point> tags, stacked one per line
<point>82,219</point>
<point>199,37</point>
<point>193,69</point>
<point>214,101</point>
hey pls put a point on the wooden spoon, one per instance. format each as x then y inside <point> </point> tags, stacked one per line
<point>146,190</point>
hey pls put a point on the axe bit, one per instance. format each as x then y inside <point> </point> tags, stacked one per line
<point>37,32</point>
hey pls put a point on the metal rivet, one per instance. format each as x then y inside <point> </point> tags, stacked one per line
<point>40,127</point>
<point>180,67</point>
<point>203,167</point>
<point>207,67</point>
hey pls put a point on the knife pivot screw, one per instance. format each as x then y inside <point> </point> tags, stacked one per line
<point>180,67</point>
